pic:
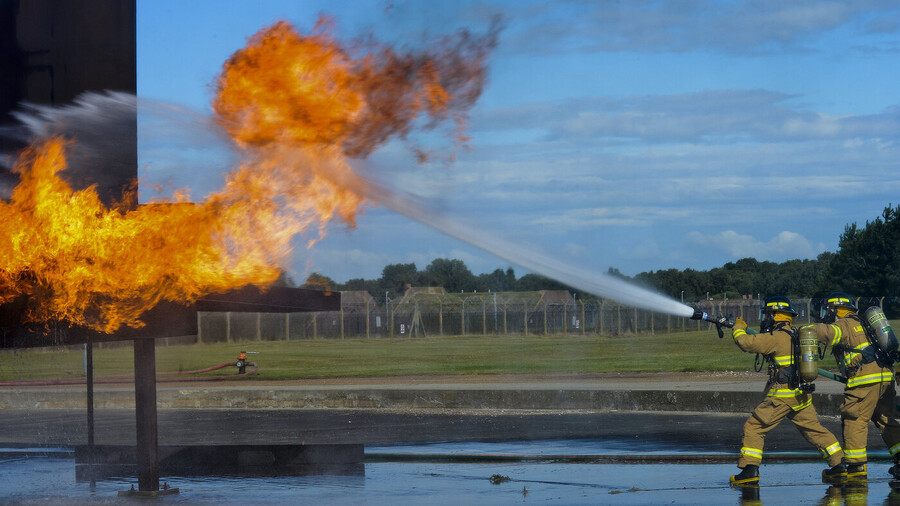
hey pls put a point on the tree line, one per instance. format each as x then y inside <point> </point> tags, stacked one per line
<point>867,263</point>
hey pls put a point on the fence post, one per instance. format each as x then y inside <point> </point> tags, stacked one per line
<point>565,317</point>
<point>483,318</point>
<point>504,321</point>
<point>287,326</point>
<point>342,322</point>
<point>582,317</point>
<point>367,319</point>
<point>228,327</point>
<point>314,325</point>
<point>600,326</point>
<point>652,330</point>
<point>525,317</point>
<point>259,326</point>
<point>618,318</point>
<point>462,319</point>
<point>441,316</point>
<point>545,317</point>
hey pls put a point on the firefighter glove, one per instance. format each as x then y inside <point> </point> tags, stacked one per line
<point>739,323</point>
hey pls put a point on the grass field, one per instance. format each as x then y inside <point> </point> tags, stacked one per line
<point>436,356</point>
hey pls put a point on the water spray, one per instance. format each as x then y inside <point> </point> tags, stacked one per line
<point>599,284</point>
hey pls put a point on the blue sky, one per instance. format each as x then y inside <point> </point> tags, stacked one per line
<point>640,135</point>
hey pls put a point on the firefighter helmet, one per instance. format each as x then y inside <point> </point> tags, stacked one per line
<point>840,299</point>
<point>779,304</point>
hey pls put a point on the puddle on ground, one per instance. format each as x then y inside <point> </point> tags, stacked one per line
<point>46,477</point>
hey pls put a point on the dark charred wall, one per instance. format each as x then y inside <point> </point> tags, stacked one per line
<point>52,51</point>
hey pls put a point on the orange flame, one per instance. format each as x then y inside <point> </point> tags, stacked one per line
<point>297,106</point>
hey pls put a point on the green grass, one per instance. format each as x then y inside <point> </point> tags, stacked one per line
<point>435,356</point>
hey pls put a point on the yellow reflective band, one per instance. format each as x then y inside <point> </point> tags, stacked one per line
<point>752,452</point>
<point>849,357</point>
<point>837,335</point>
<point>784,360</point>
<point>836,447</point>
<point>737,333</point>
<point>778,303</point>
<point>868,379</point>
<point>803,405</point>
<point>784,392</point>
<point>895,449</point>
<point>839,300</point>
<point>855,454</point>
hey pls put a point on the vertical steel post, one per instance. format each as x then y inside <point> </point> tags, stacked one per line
<point>89,379</point>
<point>145,414</point>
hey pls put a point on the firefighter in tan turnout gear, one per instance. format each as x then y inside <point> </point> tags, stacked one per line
<point>784,398</point>
<point>869,394</point>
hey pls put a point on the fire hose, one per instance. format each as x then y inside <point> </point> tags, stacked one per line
<point>162,377</point>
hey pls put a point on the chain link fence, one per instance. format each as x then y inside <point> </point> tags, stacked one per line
<point>429,314</point>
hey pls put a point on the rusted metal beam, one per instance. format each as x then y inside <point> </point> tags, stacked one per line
<point>145,414</point>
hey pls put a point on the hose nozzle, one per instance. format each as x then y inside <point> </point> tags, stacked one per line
<point>718,321</point>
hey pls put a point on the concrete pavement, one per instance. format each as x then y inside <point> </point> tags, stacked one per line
<point>682,409</point>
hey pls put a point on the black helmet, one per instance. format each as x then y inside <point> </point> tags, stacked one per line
<point>779,304</point>
<point>840,299</point>
<point>828,311</point>
<point>772,305</point>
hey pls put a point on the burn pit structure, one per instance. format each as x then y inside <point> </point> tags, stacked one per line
<point>50,53</point>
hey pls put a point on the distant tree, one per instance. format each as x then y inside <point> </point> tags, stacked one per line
<point>316,281</point>
<point>868,259</point>
<point>284,280</point>
<point>360,284</point>
<point>533,282</point>
<point>453,275</point>
<point>497,281</point>
<point>396,277</point>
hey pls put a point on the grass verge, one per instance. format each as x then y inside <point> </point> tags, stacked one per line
<point>433,356</point>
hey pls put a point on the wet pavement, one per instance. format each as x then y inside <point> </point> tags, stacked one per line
<point>648,414</point>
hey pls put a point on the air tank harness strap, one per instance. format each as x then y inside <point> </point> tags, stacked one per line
<point>844,355</point>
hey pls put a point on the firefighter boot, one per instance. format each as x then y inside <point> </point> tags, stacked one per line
<point>749,475</point>
<point>895,470</point>
<point>835,474</point>
<point>857,471</point>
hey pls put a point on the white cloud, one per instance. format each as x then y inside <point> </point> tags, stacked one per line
<point>784,246</point>
<point>741,27</point>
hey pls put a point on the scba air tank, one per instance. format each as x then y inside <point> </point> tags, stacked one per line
<point>881,329</point>
<point>809,355</point>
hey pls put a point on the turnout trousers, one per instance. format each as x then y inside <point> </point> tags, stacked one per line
<point>770,412</point>
<point>874,402</point>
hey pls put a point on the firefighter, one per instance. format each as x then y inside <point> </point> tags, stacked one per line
<point>784,399</point>
<point>869,393</point>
